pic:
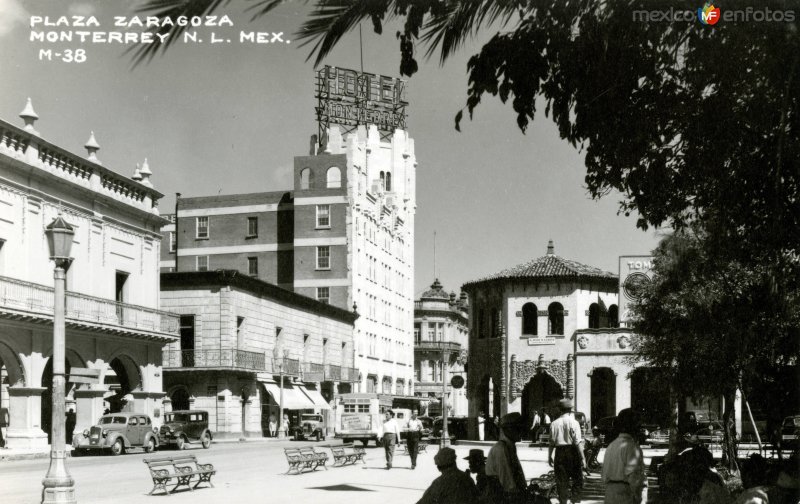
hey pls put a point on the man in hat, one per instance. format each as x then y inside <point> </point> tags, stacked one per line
<point>477,466</point>
<point>623,463</point>
<point>566,441</point>
<point>506,478</point>
<point>453,486</point>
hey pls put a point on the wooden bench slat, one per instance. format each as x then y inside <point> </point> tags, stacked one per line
<point>183,472</point>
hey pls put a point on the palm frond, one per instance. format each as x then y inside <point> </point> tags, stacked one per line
<point>333,19</point>
<point>264,7</point>
<point>450,27</point>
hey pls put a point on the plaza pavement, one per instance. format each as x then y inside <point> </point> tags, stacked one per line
<point>255,472</point>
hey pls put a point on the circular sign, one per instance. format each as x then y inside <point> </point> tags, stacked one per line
<point>635,284</point>
<point>457,381</point>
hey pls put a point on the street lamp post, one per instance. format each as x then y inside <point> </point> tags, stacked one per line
<point>445,362</point>
<point>277,354</point>
<point>58,485</point>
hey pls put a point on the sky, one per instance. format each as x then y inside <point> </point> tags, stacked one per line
<point>229,118</point>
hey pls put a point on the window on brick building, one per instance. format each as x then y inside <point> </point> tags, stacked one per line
<point>306,179</point>
<point>324,294</point>
<point>324,257</point>
<point>202,227</point>
<point>172,245</point>
<point>323,216</point>
<point>252,266</point>
<point>252,227</point>
<point>334,178</point>
<point>201,263</point>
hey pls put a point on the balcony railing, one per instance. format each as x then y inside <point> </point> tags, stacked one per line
<point>349,374</point>
<point>290,367</point>
<point>313,372</point>
<point>437,346</point>
<point>28,298</point>
<point>234,359</point>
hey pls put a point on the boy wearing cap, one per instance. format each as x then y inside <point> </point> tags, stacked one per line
<point>453,486</point>
<point>566,441</point>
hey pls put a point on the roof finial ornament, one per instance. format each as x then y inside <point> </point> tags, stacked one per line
<point>550,248</point>
<point>92,147</point>
<point>145,173</point>
<point>29,116</point>
<point>137,176</point>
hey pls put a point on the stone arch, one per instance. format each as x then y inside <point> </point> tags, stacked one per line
<point>603,393</point>
<point>541,393</point>
<point>126,378</point>
<point>333,178</point>
<point>13,365</point>
<point>180,397</point>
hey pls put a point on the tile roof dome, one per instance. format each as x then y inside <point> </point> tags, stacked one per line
<point>435,292</point>
<point>551,267</point>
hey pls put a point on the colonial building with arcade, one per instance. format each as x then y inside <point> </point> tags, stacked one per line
<point>113,324</point>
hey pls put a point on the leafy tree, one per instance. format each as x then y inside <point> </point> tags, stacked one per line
<point>715,324</point>
<point>687,121</point>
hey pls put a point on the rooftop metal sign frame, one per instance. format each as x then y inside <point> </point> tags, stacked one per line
<point>350,98</point>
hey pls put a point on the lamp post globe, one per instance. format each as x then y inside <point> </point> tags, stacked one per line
<point>58,486</point>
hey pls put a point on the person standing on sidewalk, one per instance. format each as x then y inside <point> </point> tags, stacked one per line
<point>273,425</point>
<point>566,441</point>
<point>413,437</point>
<point>3,427</point>
<point>391,434</point>
<point>506,479</point>
<point>623,463</point>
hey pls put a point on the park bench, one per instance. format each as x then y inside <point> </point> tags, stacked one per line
<point>422,446</point>
<point>304,458</point>
<point>347,454</point>
<point>183,469</point>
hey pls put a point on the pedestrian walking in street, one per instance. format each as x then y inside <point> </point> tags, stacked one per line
<point>412,438</point>
<point>273,425</point>
<point>391,434</point>
<point>477,466</point>
<point>453,486</point>
<point>537,423</point>
<point>507,482</point>
<point>69,425</point>
<point>567,443</point>
<point>481,426</point>
<point>623,463</point>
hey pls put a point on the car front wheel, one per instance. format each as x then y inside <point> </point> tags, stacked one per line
<point>318,436</point>
<point>151,446</point>
<point>206,441</point>
<point>180,443</point>
<point>117,448</point>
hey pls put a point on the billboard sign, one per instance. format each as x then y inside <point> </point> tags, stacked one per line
<point>350,98</point>
<point>634,273</point>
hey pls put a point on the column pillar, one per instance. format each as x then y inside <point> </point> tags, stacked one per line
<point>25,418</point>
<point>88,406</point>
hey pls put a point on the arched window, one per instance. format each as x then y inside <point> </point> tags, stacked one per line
<point>388,181</point>
<point>613,316</point>
<point>387,385</point>
<point>555,318</point>
<point>383,181</point>
<point>334,178</point>
<point>306,178</point>
<point>479,323</point>
<point>493,329</point>
<point>400,388</point>
<point>372,384</point>
<point>594,316</point>
<point>529,320</point>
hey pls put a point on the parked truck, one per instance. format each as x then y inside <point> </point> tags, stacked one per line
<point>359,417</point>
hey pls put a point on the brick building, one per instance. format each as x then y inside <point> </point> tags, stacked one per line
<point>237,334</point>
<point>344,235</point>
<point>113,324</point>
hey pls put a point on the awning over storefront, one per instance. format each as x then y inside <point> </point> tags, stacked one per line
<point>293,398</point>
<point>315,397</point>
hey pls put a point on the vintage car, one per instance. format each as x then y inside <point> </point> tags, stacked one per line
<point>117,432</point>
<point>311,426</point>
<point>790,433</point>
<point>456,428</point>
<point>182,427</point>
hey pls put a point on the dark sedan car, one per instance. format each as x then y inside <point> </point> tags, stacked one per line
<point>456,428</point>
<point>606,427</point>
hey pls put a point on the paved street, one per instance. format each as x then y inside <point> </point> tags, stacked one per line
<point>254,469</point>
